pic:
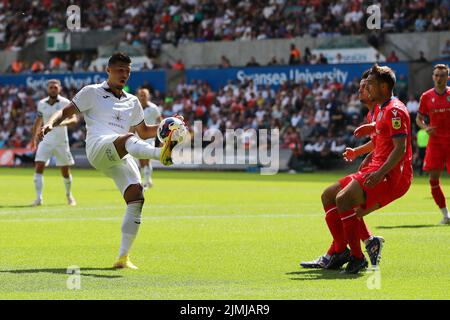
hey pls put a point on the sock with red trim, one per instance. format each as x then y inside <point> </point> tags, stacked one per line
<point>364,233</point>
<point>438,196</point>
<point>335,226</point>
<point>351,230</point>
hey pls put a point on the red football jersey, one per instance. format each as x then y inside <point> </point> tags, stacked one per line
<point>372,117</point>
<point>437,108</point>
<point>392,120</point>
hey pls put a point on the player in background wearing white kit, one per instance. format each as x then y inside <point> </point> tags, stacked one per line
<point>54,144</point>
<point>152,115</point>
<point>111,116</point>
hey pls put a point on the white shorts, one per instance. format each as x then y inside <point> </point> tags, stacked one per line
<point>61,152</point>
<point>102,155</point>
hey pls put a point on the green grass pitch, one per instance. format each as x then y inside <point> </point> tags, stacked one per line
<point>208,235</point>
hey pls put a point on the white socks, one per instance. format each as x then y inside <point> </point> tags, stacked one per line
<point>68,184</point>
<point>147,170</point>
<point>141,149</point>
<point>444,212</point>
<point>130,226</point>
<point>38,184</point>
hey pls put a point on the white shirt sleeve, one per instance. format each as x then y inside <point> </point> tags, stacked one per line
<point>138,114</point>
<point>84,98</point>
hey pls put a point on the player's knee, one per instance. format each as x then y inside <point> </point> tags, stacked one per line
<point>342,199</point>
<point>134,193</point>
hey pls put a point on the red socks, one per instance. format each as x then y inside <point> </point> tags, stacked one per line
<point>335,225</point>
<point>331,250</point>
<point>437,193</point>
<point>364,232</point>
<point>352,232</point>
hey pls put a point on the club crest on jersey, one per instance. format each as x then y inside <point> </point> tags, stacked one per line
<point>396,123</point>
<point>448,98</point>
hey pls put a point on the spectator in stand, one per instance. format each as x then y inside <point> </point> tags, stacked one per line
<point>294,56</point>
<point>420,24</point>
<point>273,61</point>
<point>156,22</point>
<point>445,52</point>
<point>179,65</point>
<point>291,139</point>
<point>322,59</point>
<point>17,66</point>
<point>338,147</point>
<point>252,63</point>
<point>422,57</point>
<point>392,57</point>
<point>37,66</point>
<point>413,107</point>
<point>224,62</point>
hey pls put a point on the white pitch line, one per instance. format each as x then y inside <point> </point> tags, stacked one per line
<point>204,217</point>
<point>30,210</point>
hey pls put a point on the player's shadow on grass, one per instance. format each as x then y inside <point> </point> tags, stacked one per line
<point>410,226</point>
<point>64,271</point>
<point>321,274</point>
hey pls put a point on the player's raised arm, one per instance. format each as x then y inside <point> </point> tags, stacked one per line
<point>351,154</point>
<point>56,119</point>
<point>394,158</point>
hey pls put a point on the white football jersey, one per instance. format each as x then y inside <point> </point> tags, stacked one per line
<point>151,113</point>
<point>45,110</point>
<point>104,113</point>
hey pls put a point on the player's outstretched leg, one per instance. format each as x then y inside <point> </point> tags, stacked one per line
<point>38,183</point>
<point>67,178</point>
<point>438,195</point>
<point>348,198</point>
<point>130,225</point>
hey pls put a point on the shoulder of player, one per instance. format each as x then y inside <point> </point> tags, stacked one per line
<point>152,105</point>
<point>428,93</point>
<point>42,101</point>
<point>396,107</point>
<point>131,97</point>
<point>64,100</point>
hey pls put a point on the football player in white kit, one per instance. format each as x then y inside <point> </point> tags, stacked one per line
<point>54,144</point>
<point>111,116</point>
<point>152,115</point>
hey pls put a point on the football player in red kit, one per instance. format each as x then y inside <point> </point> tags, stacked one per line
<point>386,177</point>
<point>373,243</point>
<point>435,103</point>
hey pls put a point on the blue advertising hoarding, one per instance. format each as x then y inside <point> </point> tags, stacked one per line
<point>275,76</point>
<point>156,79</point>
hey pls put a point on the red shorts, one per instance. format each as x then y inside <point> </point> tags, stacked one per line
<point>384,192</point>
<point>436,157</point>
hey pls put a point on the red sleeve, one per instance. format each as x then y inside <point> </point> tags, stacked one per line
<point>398,122</point>
<point>423,105</point>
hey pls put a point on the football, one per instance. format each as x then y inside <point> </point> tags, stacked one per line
<point>172,124</point>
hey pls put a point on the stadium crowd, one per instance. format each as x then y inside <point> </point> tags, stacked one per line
<point>315,122</point>
<point>151,23</point>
